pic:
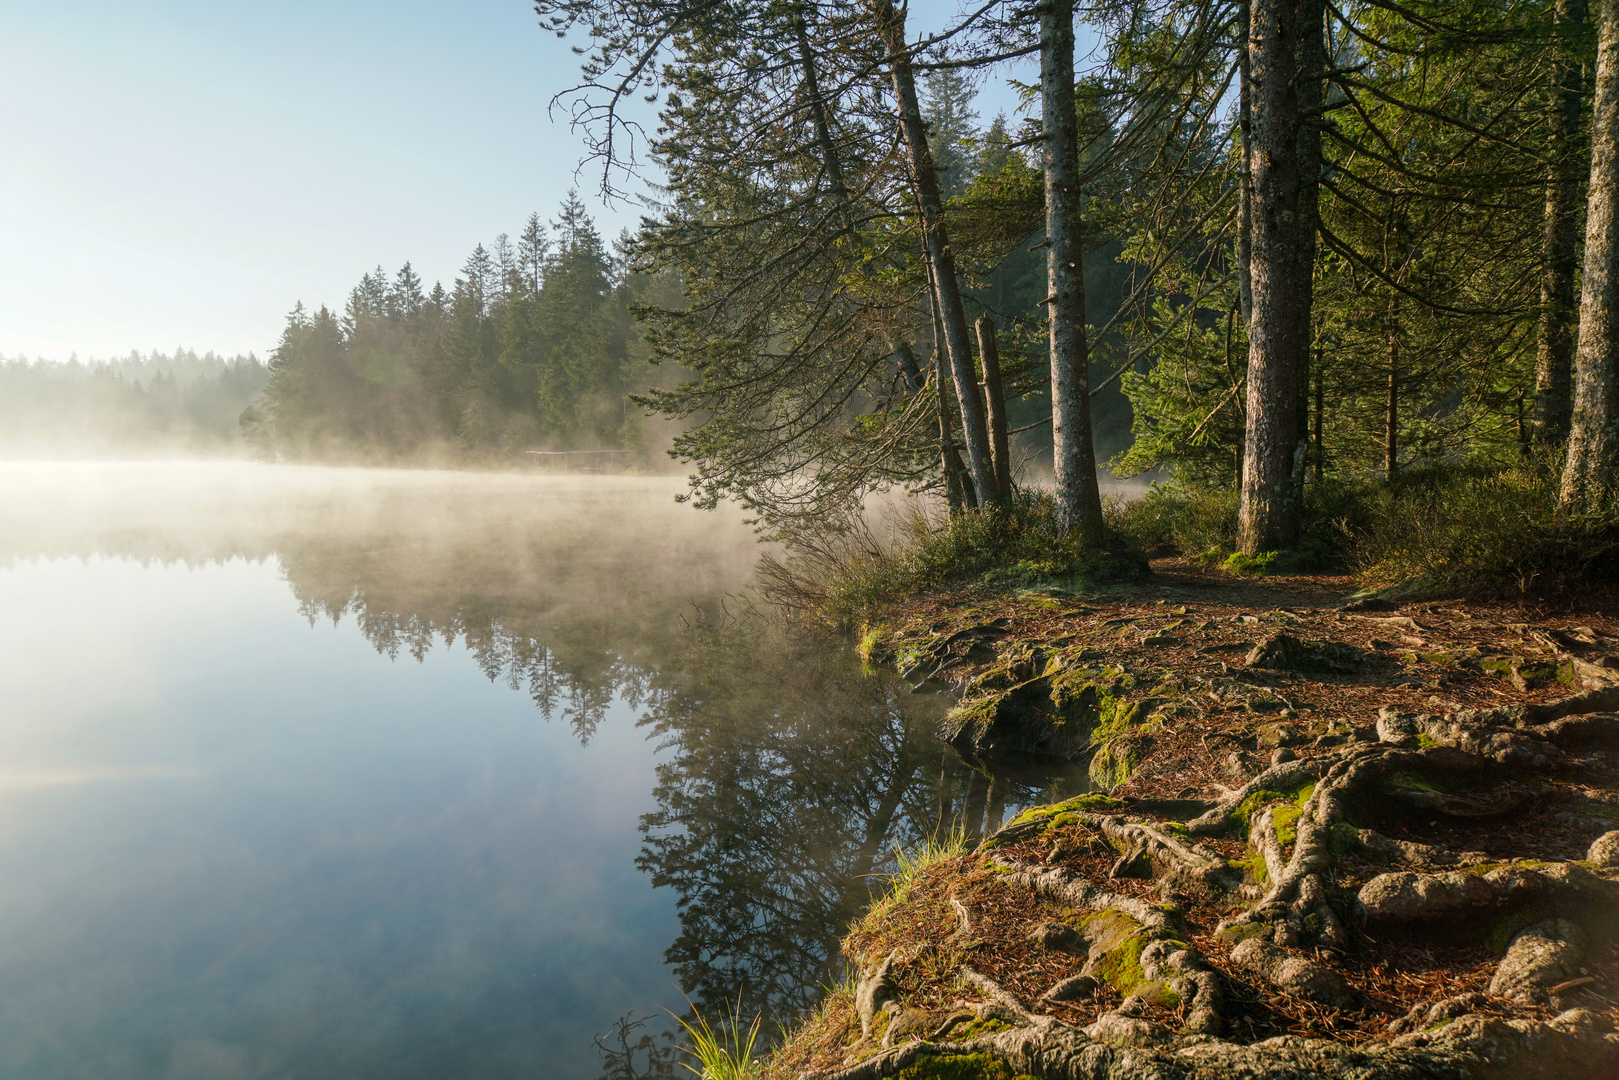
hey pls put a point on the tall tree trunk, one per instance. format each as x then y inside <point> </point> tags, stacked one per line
<point>1283,159</point>
<point>1554,357</point>
<point>1391,418</point>
<point>1079,501</point>
<point>1245,196</point>
<point>1588,474</point>
<point>947,290</point>
<point>989,354</point>
<point>956,493</point>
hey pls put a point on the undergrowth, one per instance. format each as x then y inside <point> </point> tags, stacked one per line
<point>723,1052</point>
<point>1442,530</point>
<point>839,578</point>
<point>908,865</point>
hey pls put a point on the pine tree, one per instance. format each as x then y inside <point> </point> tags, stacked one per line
<point>533,248</point>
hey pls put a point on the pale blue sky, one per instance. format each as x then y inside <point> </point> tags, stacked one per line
<point>180,173</point>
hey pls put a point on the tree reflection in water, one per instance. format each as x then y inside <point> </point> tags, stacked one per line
<point>786,774</point>
<point>789,776</point>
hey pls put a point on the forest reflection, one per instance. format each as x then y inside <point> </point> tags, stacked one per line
<point>786,774</point>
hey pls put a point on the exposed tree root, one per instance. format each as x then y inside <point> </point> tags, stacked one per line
<point>1305,821</point>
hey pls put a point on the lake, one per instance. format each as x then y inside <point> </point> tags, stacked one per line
<point>371,773</point>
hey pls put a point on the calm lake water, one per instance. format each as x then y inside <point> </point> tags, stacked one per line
<point>345,773</point>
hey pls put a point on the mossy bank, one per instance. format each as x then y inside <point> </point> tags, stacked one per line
<point>1321,840</point>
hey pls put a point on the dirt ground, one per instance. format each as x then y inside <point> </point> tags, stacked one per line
<point>1202,690</point>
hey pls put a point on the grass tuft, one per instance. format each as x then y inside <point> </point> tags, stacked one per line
<point>725,1052</point>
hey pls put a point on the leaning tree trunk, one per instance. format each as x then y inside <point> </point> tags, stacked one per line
<point>1283,162</point>
<point>936,242</point>
<point>1555,355</point>
<point>1073,457</point>
<point>989,355</point>
<point>1588,474</point>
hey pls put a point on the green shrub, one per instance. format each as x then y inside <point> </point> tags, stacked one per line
<point>1464,527</point>
<point>841,578</point>
<point>1170,519</point>
<point>1249,565</point>
<point>1474,530</point>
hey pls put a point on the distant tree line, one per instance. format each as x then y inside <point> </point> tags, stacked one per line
<point>178,402</point>
<point>532,346</point>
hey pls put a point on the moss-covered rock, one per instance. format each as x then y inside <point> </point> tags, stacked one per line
<point>960,1067</point>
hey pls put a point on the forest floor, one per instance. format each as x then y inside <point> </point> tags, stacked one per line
<point>1355,838</point>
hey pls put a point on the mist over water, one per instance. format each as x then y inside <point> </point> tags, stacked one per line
<point>320,772</point>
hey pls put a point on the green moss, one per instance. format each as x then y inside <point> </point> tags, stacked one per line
<point>1120,940</point>
<point>1242,814</point>
<point>873,647</point>
<point>1113,764</point>
<point>1093,802</point>
<point>1244,931</point>
<point>1285,820</point>
<point>1249,565</point>
<point>1158,993</point>
<point>1427,742</point>
<point>975,1028</point>
<point>1344,838</point>
<point>959,1067</point>
<point>1253,867</point>
<point>1410,781</point>
<point>1597,808</point>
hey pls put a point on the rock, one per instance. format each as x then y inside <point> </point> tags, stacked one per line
<point>1540,956</point>
<point>1278,734</point>
<point>1058,937</point>
<point>1236,767</point>
<point>1284,652</point>
<point>1282,756</point>
<point>1370,603</point>
<point>1398,728</point>
<point>1292,975</point>
<point>1279,651</point>
<point>1604,849</point>
<point>1412,897</point>
<point>1077,988</point>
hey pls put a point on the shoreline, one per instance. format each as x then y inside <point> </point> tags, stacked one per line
<point>1327,841</point>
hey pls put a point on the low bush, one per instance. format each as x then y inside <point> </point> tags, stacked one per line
<point>1470,530</point>
<point>1456,528</point>
<point>1172,520</point>
<point>840,578</point>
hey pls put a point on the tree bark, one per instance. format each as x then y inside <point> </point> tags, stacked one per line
<point>1391,418</point>
<point>1079,501</point>
<point>989,354</point>
<point>1245,196</point>
<point>1283,160</point>
<point>947,290</point>
<point>1588,473</point>
<point>1320,414</point>
<point>1555,354</point>
<point>956,493</point>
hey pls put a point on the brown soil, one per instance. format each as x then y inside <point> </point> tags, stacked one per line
<point>1194,627</point>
